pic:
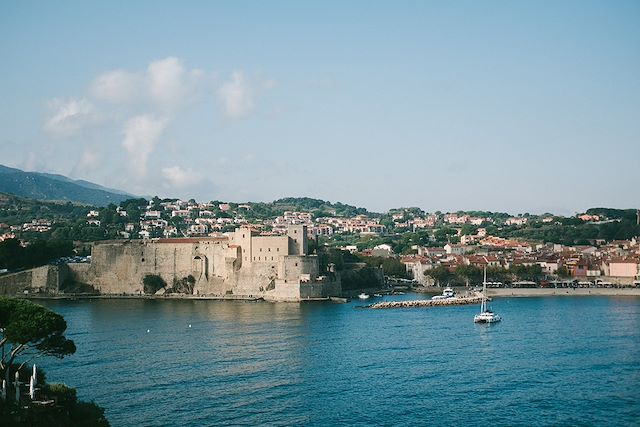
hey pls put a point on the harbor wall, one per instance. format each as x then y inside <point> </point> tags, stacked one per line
<point>48,279</point>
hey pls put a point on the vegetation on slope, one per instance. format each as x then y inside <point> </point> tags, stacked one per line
<point>55,187</point>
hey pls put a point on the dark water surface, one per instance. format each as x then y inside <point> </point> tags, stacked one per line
<point>552,361</point>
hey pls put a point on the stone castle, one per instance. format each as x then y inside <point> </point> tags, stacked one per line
<point>240,264</point>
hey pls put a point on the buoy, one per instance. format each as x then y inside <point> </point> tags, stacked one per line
<point>148,330</point>
<point>189,324</point>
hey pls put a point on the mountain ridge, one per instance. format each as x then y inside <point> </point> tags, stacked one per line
<point>46,186</point>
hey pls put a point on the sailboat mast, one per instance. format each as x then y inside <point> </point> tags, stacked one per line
<point>483,306</point>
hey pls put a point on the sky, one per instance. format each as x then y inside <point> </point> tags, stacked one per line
<point>445,105</point>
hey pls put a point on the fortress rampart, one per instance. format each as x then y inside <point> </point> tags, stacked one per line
<point>242,263</point>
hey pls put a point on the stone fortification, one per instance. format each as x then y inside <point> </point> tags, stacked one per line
<point>242,263</point>
<point>40,280</point>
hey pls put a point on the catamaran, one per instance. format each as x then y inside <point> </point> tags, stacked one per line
<point>486,315</point>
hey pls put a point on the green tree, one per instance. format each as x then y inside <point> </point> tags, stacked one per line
<point>467,229</point>
<point>563,272</point>
<point>184,285</point>
<point>28,330</point>
<point>439,274</point>
<point>38,252</point>
<point>32,330</point>
<point>469,273</point>
<point>152,283</point>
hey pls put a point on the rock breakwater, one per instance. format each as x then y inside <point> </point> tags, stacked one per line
<point>428,302</point>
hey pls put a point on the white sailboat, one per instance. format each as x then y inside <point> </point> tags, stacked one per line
<point>486,315</point>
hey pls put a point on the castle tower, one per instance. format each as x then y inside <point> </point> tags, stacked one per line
<point>242,237</point>
<point>298,241</point>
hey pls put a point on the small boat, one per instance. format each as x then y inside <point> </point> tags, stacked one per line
<point>363,296</point>
<point>377,295</point>
<point>446,294</point>
<point>486,315</point>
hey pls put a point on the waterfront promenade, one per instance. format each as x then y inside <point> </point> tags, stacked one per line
<point>545,292</point>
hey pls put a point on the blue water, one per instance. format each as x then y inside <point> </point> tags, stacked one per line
<point>552,361</point>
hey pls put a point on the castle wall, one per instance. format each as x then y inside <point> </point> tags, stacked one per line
<point>269,248</point>
<point>46,279</point>
<point>220,266</point>
<point>295,268</point>
<point>16,283</point>
<point>119,267</point>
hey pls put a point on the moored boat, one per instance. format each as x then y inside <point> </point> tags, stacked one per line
<point>486,315</point>
<point>446,294</point>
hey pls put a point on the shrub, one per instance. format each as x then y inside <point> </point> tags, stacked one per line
<point>152,283</point>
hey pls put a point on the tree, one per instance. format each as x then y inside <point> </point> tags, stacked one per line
<point>10,250</point>
<point>32,330</point>
<point>467,229</point>
<point>563,272</point>
<point>469,273</point>
<point>439,274</point>
<point>184,285</point>
<point>152,283</point>
<point>39,252</point>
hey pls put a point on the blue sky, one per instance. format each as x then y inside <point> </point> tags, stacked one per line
<point>504,106</point>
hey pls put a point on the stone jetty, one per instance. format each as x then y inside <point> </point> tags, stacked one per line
<point>429,302</point>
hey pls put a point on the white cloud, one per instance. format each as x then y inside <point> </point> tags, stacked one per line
<point>178,177</point>
<point>236,96</point>
<point>166,80</point>
<point>117,86</point>
<point>141,133</point>
<point>166,84</point>
<point>70,116</point>
<point>34,162</point>
<point>88,162</point>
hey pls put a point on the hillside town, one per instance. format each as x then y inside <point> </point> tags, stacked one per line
<point>437,241</point>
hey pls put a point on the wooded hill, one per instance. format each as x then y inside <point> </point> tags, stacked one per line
<point>43,186</point>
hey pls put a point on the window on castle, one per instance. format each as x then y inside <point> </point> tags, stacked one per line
<point>296,264</point>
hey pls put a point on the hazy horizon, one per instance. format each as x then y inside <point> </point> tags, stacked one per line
<point>509,107</point>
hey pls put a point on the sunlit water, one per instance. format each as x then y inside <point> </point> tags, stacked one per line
<point>552,361</point>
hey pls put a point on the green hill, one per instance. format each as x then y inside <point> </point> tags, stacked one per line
<point>42,186</point>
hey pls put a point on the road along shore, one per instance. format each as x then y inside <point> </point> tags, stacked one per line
<point>545,292</point>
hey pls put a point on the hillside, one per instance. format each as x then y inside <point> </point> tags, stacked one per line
<point>42,186</point>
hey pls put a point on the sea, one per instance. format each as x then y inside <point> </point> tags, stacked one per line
<point>552,361</point>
